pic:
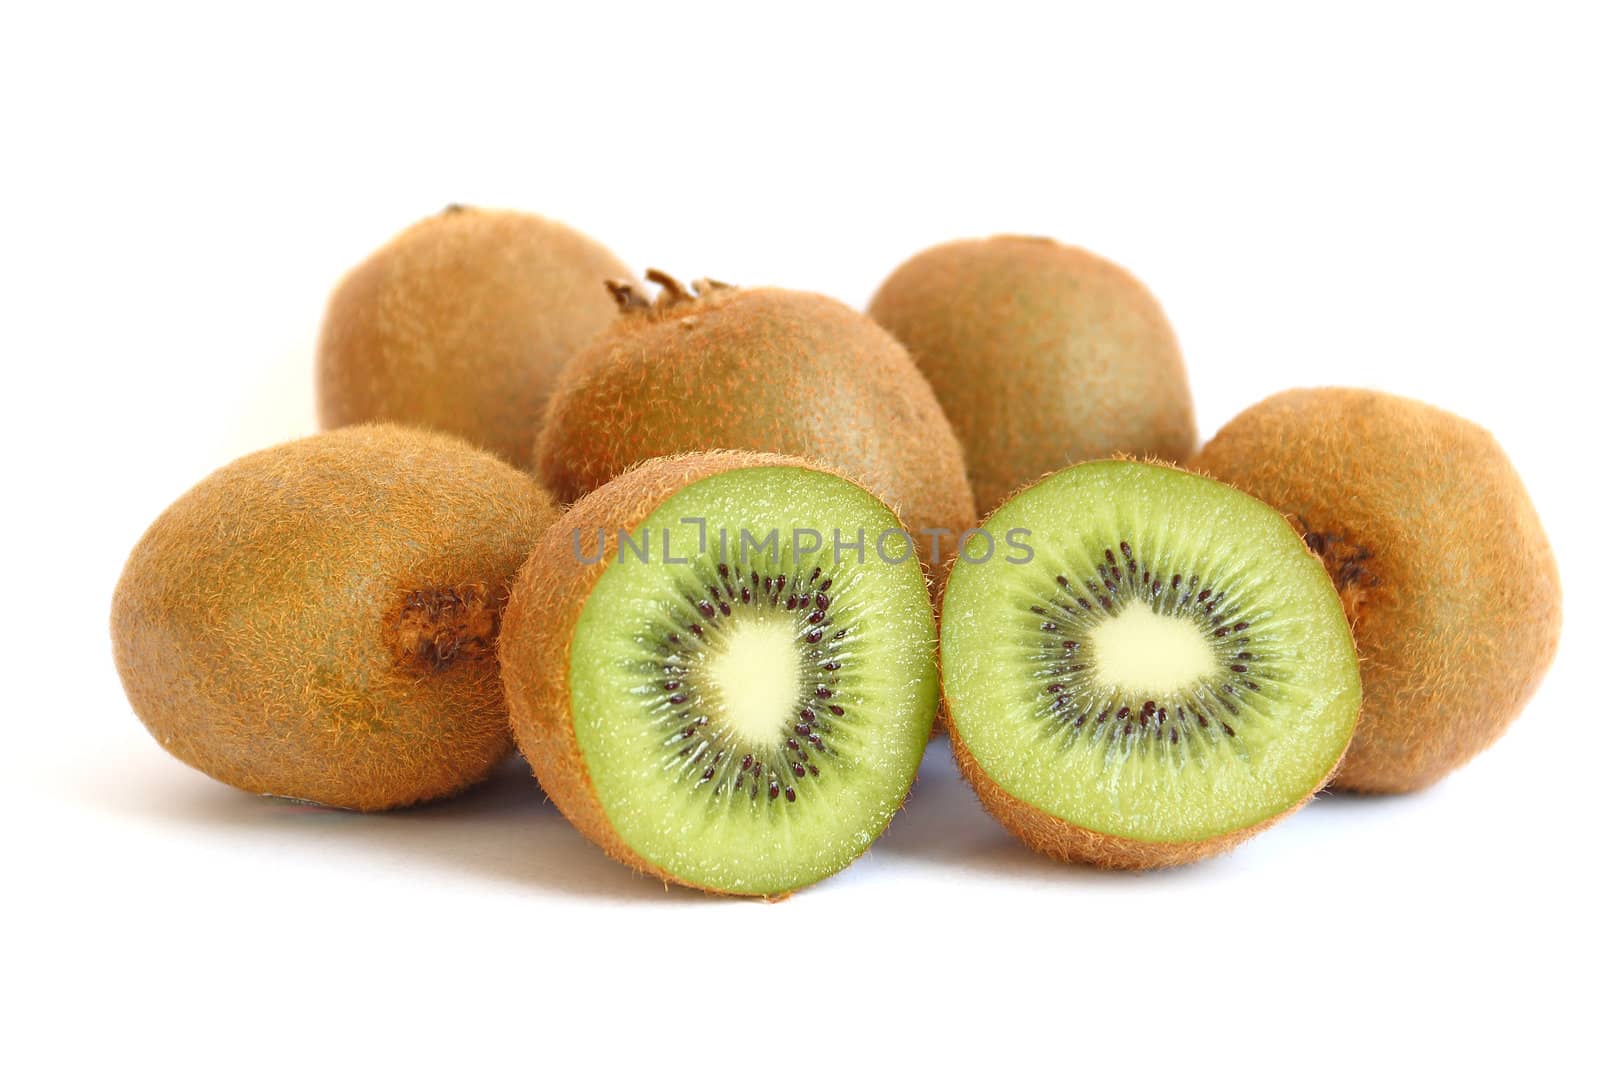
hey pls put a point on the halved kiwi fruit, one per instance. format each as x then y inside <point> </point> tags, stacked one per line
<point>1148,667</point>
<point>1445,572</point>
<point>740,706</point>
<point>317,620</point>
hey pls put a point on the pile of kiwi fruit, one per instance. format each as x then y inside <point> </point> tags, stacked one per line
<point>717,561</point>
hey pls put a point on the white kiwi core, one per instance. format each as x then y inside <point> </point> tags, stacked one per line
<point>755,673</point>
<point>1141,651</point>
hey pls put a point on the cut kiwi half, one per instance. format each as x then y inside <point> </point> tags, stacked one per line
<point>712,689</point>
<point>1148,667</point>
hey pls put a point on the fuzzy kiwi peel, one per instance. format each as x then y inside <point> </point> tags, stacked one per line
<point>461,323</point>
<point>316,621</point>
<point>1439,557</point>
<point>1041,354</point>
<point>745,722</point>
<point>714,366</point>
<point>1167,673</point>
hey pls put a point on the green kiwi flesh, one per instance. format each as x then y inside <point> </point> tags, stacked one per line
<point>1170,671</point>
<point>750,721</point>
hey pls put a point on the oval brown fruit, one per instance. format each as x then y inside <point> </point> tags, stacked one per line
<point>1444,570</point>
<point>461,324</point>
<point>1042,355</point>
<point>757,370</point>
<point>318,620</point>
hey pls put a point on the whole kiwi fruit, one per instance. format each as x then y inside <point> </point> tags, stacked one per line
<point>317,621</point>
<point>1145,667</point>
<point>719,367</point>
<point>1042,355</point>
<point>708,686</point>
<point>1438,554</point>
<point>460,324</point>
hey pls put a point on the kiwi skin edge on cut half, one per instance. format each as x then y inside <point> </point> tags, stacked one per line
<point>1169,673</point>
<point>740,720</point>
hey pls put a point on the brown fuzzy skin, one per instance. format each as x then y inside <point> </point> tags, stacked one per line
<point>1445,571</point>
<point>1055,837</point>
<point>1042,356</point>
<point>764,370</point>
<point>316,621</point>
<point>461,324</point>
<point>536,634</point>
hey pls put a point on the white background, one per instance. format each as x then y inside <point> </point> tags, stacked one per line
<point>1385,196</point>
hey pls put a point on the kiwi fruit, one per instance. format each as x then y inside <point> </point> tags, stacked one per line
<point>460,324</point>
<point>711,688</point>
<point>718,367</point>
<point>1042,355</point>
<point>1438,554</point>
<point>1145,667</point>
<point>317,621</point>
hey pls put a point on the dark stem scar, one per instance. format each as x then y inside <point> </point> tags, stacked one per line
<point>435,628</point>
<point>1348,563</point>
